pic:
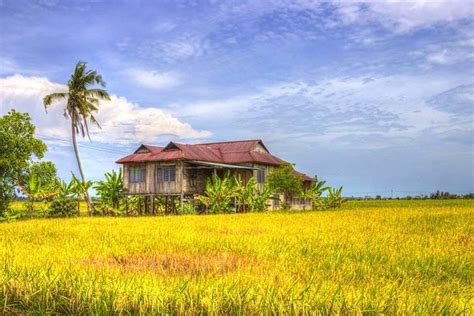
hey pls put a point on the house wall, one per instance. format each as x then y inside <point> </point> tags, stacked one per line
<point>184,183</point>
<point>150,186</point>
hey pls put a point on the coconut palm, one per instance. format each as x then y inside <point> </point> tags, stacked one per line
<point>82,100</point>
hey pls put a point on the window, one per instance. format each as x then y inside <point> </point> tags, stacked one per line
<point>166,174</point>
<point>276,200</point>
<point>261,175</point>
<point>136,174</point>
<point>192,177</point>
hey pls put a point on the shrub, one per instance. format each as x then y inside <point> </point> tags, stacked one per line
<point>63,207</point>
<point>10,215</point>
<point>188,208</point>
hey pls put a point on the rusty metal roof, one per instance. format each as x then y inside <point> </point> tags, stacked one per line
<point>221,152</point>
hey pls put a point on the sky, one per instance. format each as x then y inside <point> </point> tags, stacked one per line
<point>376,96</point>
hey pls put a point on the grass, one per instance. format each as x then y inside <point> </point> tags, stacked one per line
<point>370,257</point>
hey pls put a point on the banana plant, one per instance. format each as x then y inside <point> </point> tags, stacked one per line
<point>218,194</point>
<point>64,189</point>
<point>334,198</point>
<point>35,190</point>
<point>80,189</point>
<point>258,200</point>
<point>111,189</point>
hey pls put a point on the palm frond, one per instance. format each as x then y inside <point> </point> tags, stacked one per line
<point>56,96</point>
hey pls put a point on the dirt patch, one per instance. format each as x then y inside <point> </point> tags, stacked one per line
<point>174,263</point>
<point>464,239</point>
<point>250,231</point>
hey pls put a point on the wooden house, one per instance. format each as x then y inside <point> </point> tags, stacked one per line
<point>181,170</point>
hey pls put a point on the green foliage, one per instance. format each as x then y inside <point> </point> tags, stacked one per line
<point>187,209</point>
<point>135,204</point>
<point>314,194</point>
<point>221,192</point>
<point>17,148</point>
<point>63,207</point>
<point>44,170</point>
<point>80,189</point>
<point>36,190</point>
<point>218,195</point>
<point>334,198</point>
<point>110,190</point>
<point>253,199</point>
<point>283,180</point>
<point>65,189</point>
<point>11,215</point>
<point>82,101</point>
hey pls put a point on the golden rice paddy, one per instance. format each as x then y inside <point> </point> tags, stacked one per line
<point>369,257</point>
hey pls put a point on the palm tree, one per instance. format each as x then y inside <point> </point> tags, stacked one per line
<point>81,102</point>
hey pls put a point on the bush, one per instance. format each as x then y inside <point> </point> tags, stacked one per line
<point>11,215</point>
<point>188,208</point>
<point>63,207</point>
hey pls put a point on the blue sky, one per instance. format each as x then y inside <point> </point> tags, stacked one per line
<point>375,96</point>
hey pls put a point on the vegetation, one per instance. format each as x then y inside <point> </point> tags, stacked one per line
<point>18,147</point>
<point>81,103</point>
<point>375,257</point>
<point>283,180</point>
<point>315,194</point>
<point>218,195</point>
<point>110,191</point>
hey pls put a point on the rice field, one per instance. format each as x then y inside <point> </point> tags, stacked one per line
<point>369,257</point>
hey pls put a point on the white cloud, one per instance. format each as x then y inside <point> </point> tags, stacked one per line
<point>122,122</point>
<point>154,79</point>
<point>334,110</point>
<point>404,16</point>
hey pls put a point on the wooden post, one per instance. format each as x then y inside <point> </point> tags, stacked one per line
<point>153,205</point>
<point>147,205</point>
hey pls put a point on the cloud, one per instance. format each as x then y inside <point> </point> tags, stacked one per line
<point>403,16</point>
<point>122,121</point>
<point>334,111</point>
<point>458,100</point>
<point>154,79</point>
<point>177,48</point>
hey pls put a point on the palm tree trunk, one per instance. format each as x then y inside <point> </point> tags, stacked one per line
<point>90,206</point>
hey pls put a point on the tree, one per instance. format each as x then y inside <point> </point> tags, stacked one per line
<point>110,190</point>
<point>18,146</point>
<point>81,102</point>
<point>44,170</point>
<point>283,180</point>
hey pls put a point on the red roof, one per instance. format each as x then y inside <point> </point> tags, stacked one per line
<point>233,152</point>
<point>230,152</point>
<point>303,176</point>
